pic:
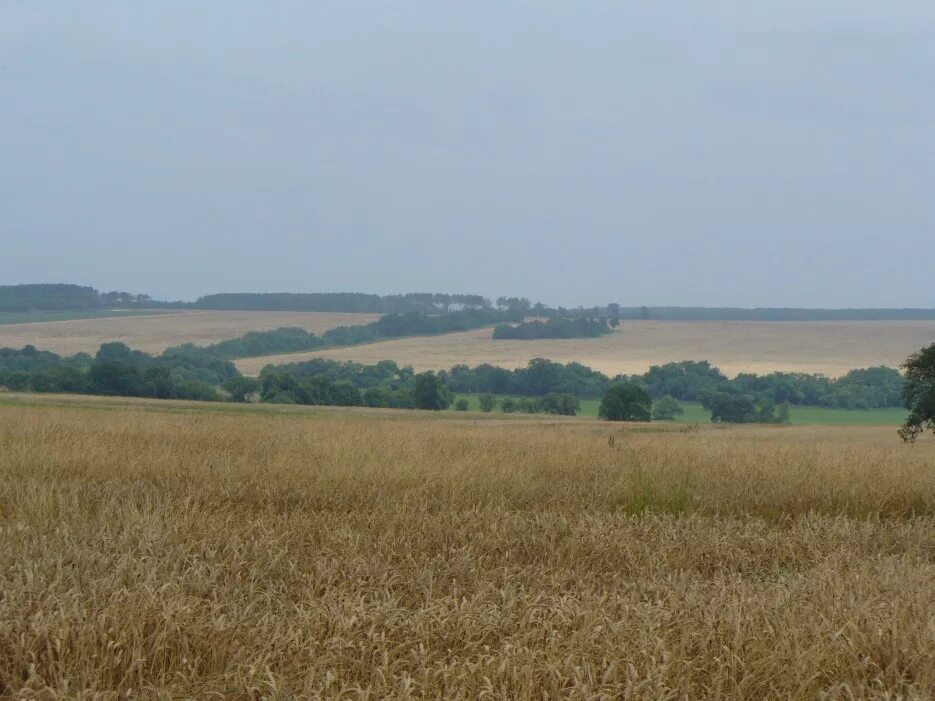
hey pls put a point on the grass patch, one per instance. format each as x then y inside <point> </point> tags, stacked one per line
<point>799,415</point>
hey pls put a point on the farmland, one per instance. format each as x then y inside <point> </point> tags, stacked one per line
<point>171,549</point>
<point>153,333</point>
<point>44,316</point>
<point>831,348</point>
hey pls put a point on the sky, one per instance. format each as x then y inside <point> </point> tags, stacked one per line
<point>775,153</point>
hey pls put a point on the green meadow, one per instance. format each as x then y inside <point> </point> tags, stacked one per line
<point>799,415</point>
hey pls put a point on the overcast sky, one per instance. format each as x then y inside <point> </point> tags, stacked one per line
<point>773,153</point>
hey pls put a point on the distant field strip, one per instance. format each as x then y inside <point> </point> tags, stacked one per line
<point>43,316</point>
<point>832,348</point>
<point>155,332</point>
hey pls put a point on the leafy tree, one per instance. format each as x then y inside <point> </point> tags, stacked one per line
<point>528,405</point>
<point>429,392</point>
<point>731,408</point>
<point>343,393</point>
<point>240,388</point>
<point>461,405</point>
<point>508,405</point>
<point>666,409</point>
<point>919,393</point>
<point>613,314</point>
<point>18,381</point>
<point>195,389</point>
<point>487,402</point>
<point>625,401</point>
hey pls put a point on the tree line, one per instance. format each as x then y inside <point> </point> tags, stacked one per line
<point>347,302</point>
<point>692,381</point>
<point>189,372</point>
<point>556,327</point>
<point>117,370</point>
<point>64,297</point>
<point>295,339</point>
<point>194,372</point>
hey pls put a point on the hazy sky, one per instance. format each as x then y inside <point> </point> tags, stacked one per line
<point>774,153</point>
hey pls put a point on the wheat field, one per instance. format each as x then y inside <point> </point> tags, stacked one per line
<point>155,332</point>
<point>157,550</point>
<point>831,348</point>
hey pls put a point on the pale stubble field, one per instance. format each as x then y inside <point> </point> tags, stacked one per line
<point>830,348</point>
<point>155,332</point>
<point>173,550</point>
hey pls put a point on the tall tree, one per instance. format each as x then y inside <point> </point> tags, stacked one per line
<point>919,393</point>
<point>429,392</point>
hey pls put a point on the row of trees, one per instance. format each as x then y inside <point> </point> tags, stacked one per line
<point>295,339</point>
<point>350,302</point>
<point>116,370</point>
<point>197,373</point>
<point>330,382</point>
<point>692,381</point>
<point>555,403</point>
<point>59,297</point>
<point>556,327</point>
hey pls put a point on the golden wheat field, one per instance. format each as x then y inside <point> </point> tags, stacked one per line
<point>156,332</point>
<point>161,550</point>
<point>831,348</point>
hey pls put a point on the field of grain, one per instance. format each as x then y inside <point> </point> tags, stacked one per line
<point>154,333</point>
<point>831,348</point>
<point>162,549</point>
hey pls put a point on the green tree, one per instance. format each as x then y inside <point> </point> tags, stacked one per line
<point>461,405</point>
<point>429,392</point>
<point>508,405</point>
<point>487,402</point>
<point>343,393</point>
<point>732,408</point>
<point>666,409</point>
<point>919,393</point>
<point>625,401</point>
<point>240,388</point>
<point>17,381</point>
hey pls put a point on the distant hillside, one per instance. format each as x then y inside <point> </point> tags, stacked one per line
<point>773,314</point>
<point>62,297</point>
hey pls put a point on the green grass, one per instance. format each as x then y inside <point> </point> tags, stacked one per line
<point>803,415</point>
<point>28,317</point>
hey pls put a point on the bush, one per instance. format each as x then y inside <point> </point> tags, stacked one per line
<point>487,402</point>
<point>560,404</point>
<point>461,405</point>
<point>666,409</point>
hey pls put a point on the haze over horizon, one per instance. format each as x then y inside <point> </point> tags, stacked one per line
<point>776,155</point>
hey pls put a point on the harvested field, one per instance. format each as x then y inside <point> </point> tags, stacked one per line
<point>831,348</point>
<point>156,332</point>
<point>145,553</point>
